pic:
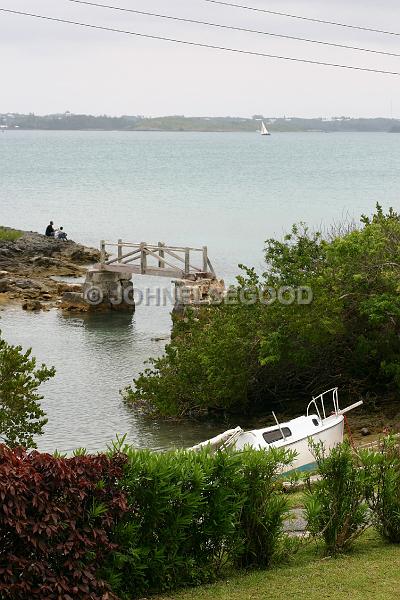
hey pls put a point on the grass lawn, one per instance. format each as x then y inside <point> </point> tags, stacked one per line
<point>9,234</point>
<point>370,572</point>
<point>296,499</point>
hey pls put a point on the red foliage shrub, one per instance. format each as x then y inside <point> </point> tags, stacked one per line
<point>56,519</point>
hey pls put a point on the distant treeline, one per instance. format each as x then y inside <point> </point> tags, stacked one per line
<point>68,121</point>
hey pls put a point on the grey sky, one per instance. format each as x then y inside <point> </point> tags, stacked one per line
<point>51,67</point>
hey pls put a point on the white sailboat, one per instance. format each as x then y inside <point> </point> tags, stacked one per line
<point>317,424</point>
<point>264,130</point>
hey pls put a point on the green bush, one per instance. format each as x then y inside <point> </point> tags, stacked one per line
<point>383,491</point>
<point>192,513</point>
<point>9,235</point>
<point>249,357</point>
<point>336,509</point>
<point>263,509</point>
<point>21,416</point>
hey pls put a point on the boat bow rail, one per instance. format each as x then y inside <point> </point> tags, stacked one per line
<point>319,403</point>
<point>320,407</point>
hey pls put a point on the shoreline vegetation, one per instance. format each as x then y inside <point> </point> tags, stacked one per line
<point>242,360</point>
<point>179,123</point>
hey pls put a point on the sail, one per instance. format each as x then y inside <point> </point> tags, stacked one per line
<point>264,130</point>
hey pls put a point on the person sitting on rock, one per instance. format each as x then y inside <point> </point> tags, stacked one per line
<point>60,234</point>
<point>50,230</point>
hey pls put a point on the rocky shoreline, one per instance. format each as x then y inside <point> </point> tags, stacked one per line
<point>30,265</point>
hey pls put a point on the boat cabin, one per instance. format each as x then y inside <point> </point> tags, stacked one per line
<point>292,431</point>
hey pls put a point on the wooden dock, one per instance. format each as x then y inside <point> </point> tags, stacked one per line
<point>174,262</point>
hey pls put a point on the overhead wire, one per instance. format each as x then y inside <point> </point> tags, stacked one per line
<point>231,27</point>
<point>198,44</point>
<point>303,18</point>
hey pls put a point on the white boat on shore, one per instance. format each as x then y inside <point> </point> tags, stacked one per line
<point>317,424</point>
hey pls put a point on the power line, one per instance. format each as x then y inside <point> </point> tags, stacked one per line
<point>313,20</point>
<point>231,27</point>
<point>198,44</point>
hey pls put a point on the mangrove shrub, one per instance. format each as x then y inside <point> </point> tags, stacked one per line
<point>248,356</point>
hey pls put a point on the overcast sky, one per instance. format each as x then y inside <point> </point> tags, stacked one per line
<point>52,67</point>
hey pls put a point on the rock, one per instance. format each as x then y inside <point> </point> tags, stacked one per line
<point>196,291</point>
<point>25,284</point>
<point>61,267</point>
<point>44,261</point>
<point>84,256</point>
<point>32,305</point>
<point>68,287</point>
<point>296,523</point>
<point>4,286</point>
<point>30,295</point>
<point>75,287</point>
<point>74,302</point>
<point>29,263</point>
<point>31,245</point>
<point>365,431</point>
<point>62,287</point>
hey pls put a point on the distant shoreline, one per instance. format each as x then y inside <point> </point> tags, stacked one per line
<point>181,124</point>
<point>273,132</point>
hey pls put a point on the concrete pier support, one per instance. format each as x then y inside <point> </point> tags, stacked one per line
<point>197,291</point>
<point>110,290</point>
<point>102,291</point>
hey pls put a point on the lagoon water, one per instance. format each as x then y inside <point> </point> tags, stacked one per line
<point>229,191</point>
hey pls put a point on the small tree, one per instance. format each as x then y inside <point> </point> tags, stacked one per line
<point>21,416</point>
<point>336,509</point>
<point>383,492</point>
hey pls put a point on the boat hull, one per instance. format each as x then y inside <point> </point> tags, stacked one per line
<point>294,435</point>
<point>329,433</point>
<point>305,460</point>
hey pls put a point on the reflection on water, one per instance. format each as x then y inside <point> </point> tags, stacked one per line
<point>95,356</point>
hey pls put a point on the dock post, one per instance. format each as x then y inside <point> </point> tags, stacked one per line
<point>161,263</point>
<point>187,262</point>
<point>143,258</point>
<point>102,252</point>
<point>205,259</point>
<point>119,251</point>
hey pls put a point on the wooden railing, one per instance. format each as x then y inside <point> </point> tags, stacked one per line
<point>160,259</point>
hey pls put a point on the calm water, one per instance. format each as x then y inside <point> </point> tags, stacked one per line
<point>227,191</point>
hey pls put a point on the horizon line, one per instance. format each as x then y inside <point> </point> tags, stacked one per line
<point>254,117</point>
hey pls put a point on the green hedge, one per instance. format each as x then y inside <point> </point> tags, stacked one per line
<point>357,489</point>
<point>191,513</point>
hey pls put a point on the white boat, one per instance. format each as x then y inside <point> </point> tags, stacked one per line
<point>264,130</point>
<point>317,424</point>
